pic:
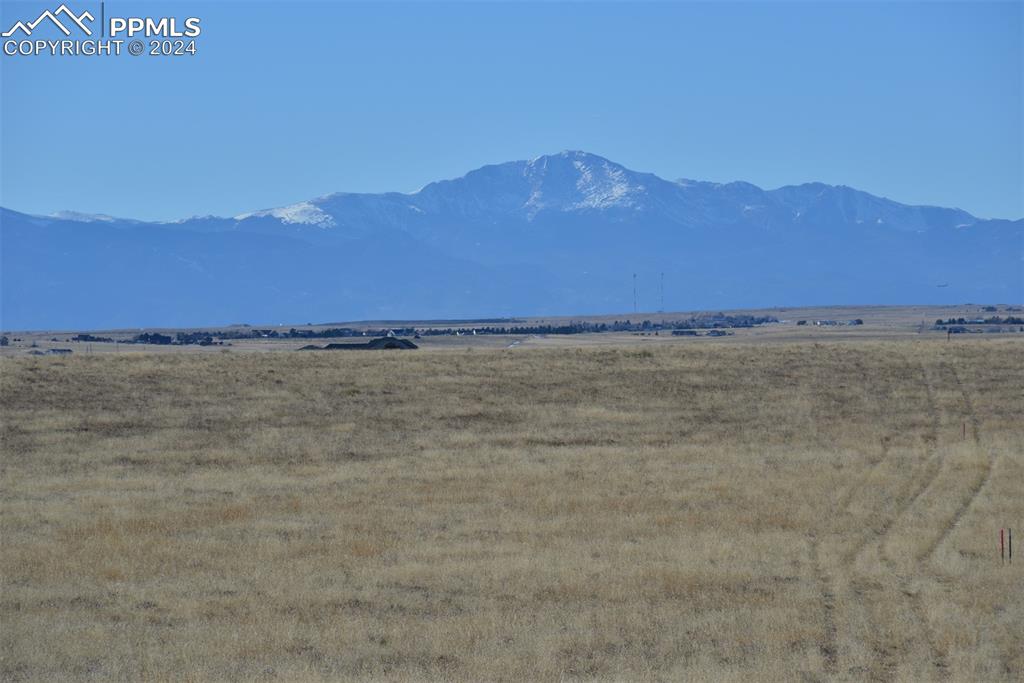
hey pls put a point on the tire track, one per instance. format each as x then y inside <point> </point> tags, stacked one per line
<point>844,578</point>
<point>896,590</point>
<point>829,646</point>
<point>900,589</point>
<point>892,589</point>
<point>972,415</point>
<point>934,460</point>
<point>906,594</point>
<point>978,487</point>
<point>933,465</point>
<point>874,464</point>
<point>846,499</point>
<point>827,585</point>
<point>915,599</point>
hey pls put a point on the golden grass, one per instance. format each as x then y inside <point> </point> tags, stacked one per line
<point>730,512</point>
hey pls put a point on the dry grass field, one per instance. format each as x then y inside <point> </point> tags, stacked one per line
<point>791,511</point>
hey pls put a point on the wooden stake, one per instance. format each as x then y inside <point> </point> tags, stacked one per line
<point>1002,547</point>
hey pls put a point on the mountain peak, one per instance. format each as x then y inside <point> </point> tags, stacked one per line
<point>557,233</point>
<point>573,155</point>
<point>577,180</point>
<point>569,180</point>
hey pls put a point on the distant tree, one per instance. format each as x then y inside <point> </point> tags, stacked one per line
<point>152,338</point>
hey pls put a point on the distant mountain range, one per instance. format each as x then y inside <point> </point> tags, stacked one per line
<point>560,234</point>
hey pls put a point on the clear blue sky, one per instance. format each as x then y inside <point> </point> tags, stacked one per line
<point>285,101</point>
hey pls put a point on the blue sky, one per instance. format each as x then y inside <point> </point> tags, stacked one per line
<point>284,101</point>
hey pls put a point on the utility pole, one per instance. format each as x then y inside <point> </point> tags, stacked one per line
<point>634,293</point>
<point>662,310</point>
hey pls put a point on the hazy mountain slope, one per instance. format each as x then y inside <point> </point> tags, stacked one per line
<point>71,275</point>
<point>558,234</point>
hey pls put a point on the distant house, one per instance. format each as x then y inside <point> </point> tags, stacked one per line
<point>59,352</point>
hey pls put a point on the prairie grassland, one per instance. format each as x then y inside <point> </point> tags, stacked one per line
<point>731,512</point>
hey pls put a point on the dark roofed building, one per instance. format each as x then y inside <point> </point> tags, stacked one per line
<point>381,343</point>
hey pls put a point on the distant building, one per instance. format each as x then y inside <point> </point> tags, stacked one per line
<point>381,343</point>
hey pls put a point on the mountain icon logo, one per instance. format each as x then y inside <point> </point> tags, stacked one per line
<point>77,19</point>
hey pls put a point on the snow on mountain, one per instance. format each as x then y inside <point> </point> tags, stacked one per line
<point>303,213</point>
<point>575,182</point>
<point>80,217</point>
<point>557,234</point>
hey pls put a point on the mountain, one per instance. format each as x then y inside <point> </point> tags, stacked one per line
<point>559,234</point>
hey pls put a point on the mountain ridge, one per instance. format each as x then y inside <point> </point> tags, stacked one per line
<point>576,155</point>
<point>556,234</point>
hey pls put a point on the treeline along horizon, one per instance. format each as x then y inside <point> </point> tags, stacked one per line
<point>214,336</point>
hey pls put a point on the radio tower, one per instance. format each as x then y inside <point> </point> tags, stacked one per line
<point>634,292</point>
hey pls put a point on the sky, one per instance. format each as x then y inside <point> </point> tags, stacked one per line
<point>285,101</point>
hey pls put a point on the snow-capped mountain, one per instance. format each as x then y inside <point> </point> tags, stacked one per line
<point>577,185</point>
<point>561,233</point>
